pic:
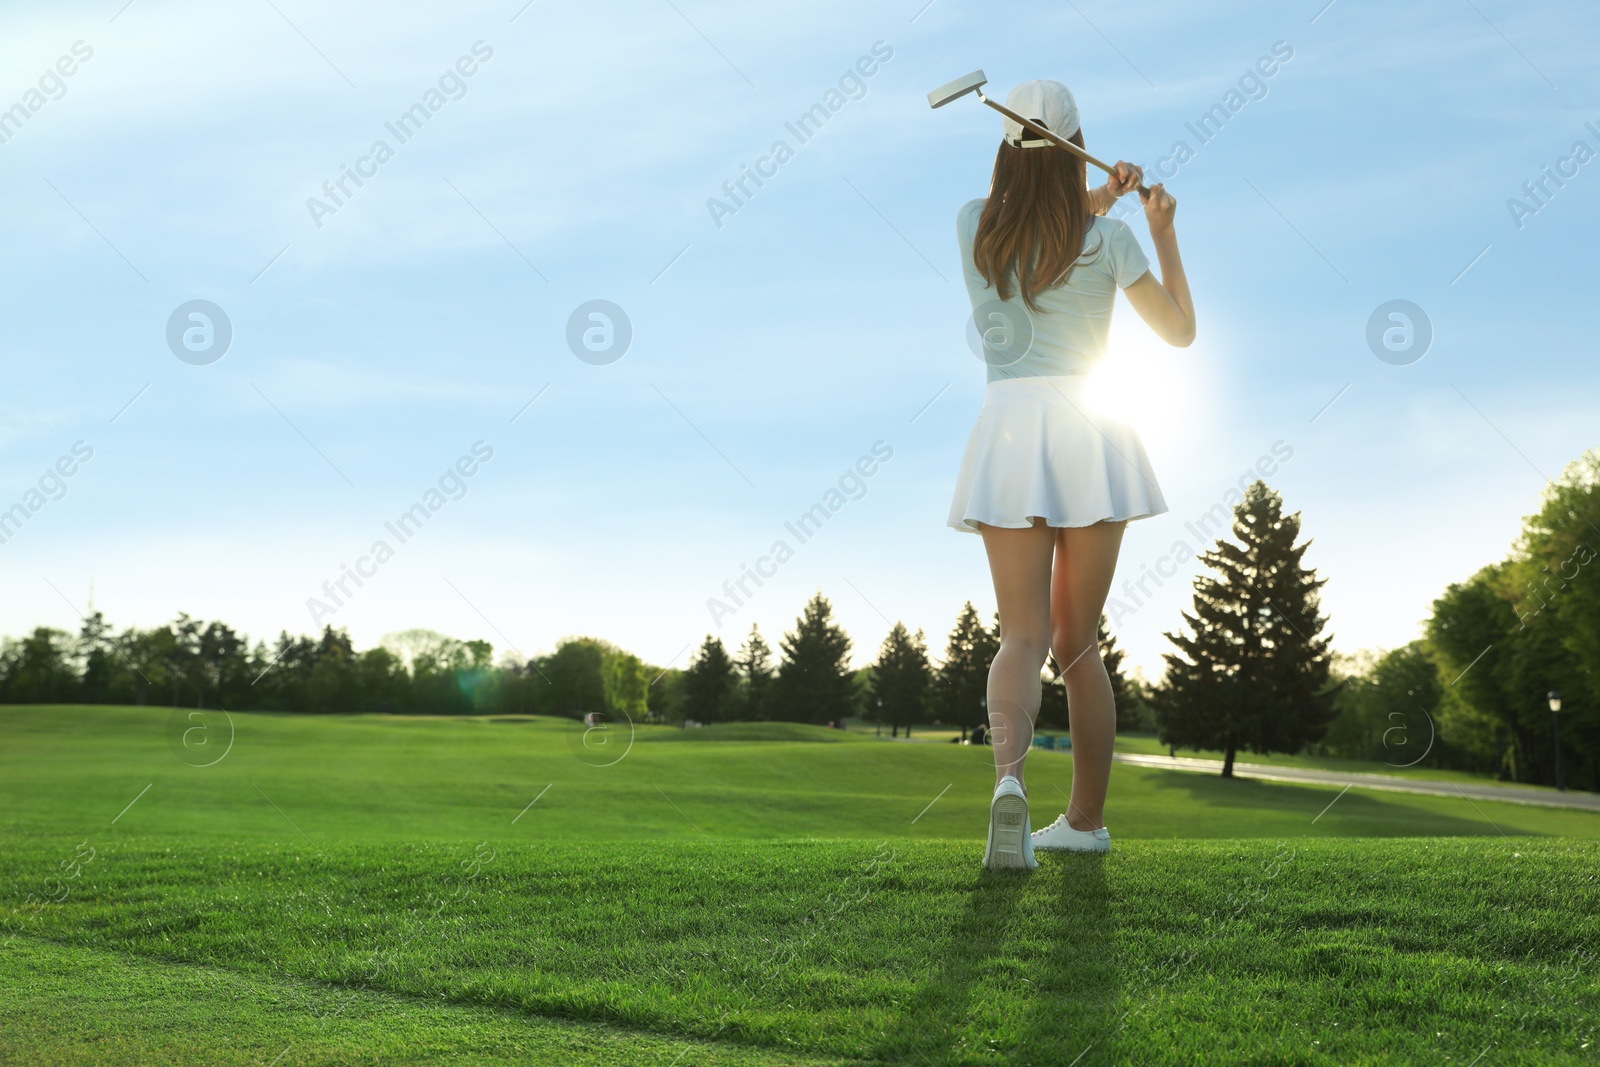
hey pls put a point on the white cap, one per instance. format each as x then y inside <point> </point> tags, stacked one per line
<point>1048,103</point>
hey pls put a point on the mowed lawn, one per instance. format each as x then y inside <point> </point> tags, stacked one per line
<point>321,779</point>
<point>1149,745</point>
<point>369,889</point>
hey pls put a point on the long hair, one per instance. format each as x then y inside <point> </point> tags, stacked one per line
<point>1033,226</point>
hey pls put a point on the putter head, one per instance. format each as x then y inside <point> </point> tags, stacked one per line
<point>958,88</point>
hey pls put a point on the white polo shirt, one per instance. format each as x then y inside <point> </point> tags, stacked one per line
<point>1070,329</point>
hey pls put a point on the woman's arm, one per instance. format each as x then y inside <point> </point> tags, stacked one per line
<point>1164,305</point>
<point>1103,197</point>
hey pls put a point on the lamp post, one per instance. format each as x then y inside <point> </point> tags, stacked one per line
<point>1555,733</point>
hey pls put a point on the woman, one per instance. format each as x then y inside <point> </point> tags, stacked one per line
<point>1046,480</point>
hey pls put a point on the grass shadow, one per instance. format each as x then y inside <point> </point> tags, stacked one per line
<point>1076,974</point>
<point>1365,813</point>
<point>934,1026</point>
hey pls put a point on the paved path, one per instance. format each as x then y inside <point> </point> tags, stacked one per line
<point>1514,794</point>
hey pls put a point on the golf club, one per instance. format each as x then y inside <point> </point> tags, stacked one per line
<point>974,83</point>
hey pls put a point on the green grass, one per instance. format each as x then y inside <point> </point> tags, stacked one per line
<point>375,778</point>
<point>1148,745</point>
<point>368,889</point>
<point>70,1004</point>
<point>1300,952</point>
<point>748,731</point>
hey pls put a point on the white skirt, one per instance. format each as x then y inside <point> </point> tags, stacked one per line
<point>1039,449</point>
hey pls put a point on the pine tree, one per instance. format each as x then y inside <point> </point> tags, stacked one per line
<point>709,683</point>
<point>95,657</point>
<point>963,677</point>
<point>901,679</point>
<point>814,684</point>
<point>1254,675</point>
<point>755,666</point>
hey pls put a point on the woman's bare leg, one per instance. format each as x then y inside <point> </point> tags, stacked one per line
<point>1086,558</point>
<point>1019,562</point>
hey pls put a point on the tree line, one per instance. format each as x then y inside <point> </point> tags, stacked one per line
<point>194,663</point>
<point>1476,682</point>
<point>904,686</point>
<point>1251,668</point>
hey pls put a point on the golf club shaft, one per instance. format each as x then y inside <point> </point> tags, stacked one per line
<point>1060,142</point>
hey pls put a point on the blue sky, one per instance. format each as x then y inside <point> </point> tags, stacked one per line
<point>770,352</point>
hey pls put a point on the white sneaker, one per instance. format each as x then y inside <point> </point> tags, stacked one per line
<point>1010,845</point>
<point>1060,837</point>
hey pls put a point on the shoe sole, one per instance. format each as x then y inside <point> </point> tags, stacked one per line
<point>1067,848</point>
<point>1096,849</point>
<point>1008,826</point>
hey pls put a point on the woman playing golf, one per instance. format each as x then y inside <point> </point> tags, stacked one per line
<point>1046,480</point>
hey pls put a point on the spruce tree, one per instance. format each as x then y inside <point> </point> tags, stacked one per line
<point>814,683</point>
<point>1254,674</point>
<point>902,678</point>
<point>709,683</point>
<point>755,667</point>
<point>963,676</point>
<point>95,658</point>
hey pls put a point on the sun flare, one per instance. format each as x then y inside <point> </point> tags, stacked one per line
<point>1144,382</point>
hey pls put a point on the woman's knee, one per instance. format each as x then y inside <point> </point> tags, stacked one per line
<point>1074,652</point>
<point>1033,649</point>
